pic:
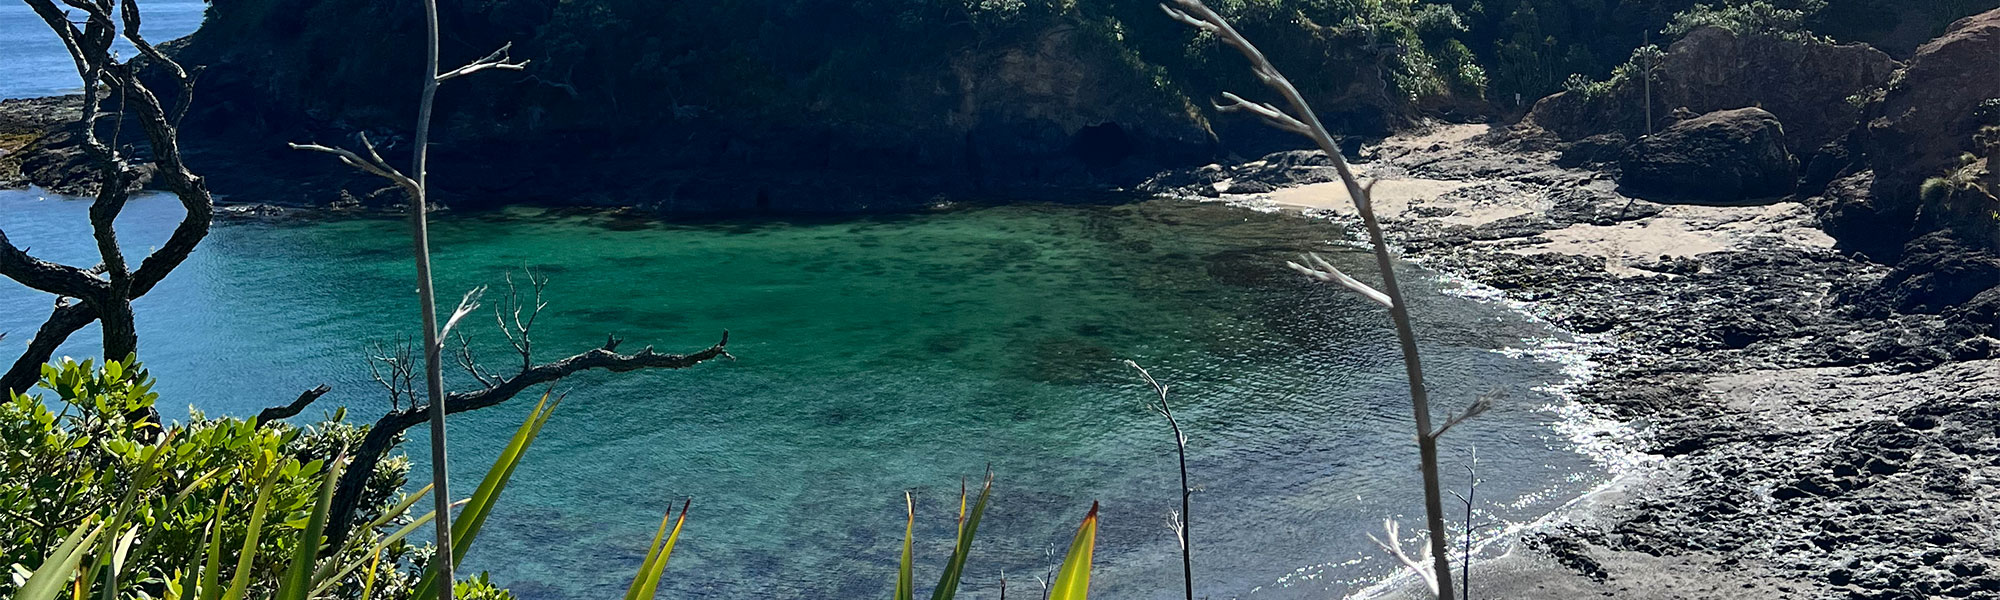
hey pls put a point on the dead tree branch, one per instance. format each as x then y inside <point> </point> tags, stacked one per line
<point>417,186</point>
<point>1181,522</point>
<point>1301,120</point>
<point>382,437</point>
<point>290,410</point>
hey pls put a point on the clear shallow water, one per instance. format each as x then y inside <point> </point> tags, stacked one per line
<point>879,355</point>
<point>33,62</point>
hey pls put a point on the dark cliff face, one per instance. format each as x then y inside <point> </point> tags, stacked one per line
<point>1807,85</point>
<point>783,104</point>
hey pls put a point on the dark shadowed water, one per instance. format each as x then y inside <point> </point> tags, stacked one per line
<point>878,355</point>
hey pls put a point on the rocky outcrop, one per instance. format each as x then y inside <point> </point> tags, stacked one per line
<point>764,104</point>
<point>1805,85</point>
<point>23,122</point>
<point>1721,157</point>
<point>1936,272</point>
<point>1919,129</point>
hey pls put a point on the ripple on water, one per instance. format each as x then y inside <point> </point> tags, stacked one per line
<point>884,354</point>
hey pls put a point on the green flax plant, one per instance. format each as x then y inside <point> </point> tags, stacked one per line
<point>1301,120</point>
<point>100,554</point>
<point>1072,582</point>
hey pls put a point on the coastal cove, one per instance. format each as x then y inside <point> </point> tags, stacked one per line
<point>878,354</point>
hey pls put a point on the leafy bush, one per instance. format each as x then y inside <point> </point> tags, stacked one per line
<point>1759,17</point>
<point>61,467</point>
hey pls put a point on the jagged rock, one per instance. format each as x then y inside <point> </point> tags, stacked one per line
<point>1805,85</point>
<point>1723,156</point>
<point>1919,129</point>
<point>1937,272</point>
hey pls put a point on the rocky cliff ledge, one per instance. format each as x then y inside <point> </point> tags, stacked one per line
<point>796,105</point>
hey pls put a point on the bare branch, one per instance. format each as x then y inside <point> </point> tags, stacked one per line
<point>1325,271</point>
<point>42,275</point>
<point>1180,520</point>
<point>465,307</point>
<point>287,411</point>
<point>382,437</point>
<point>1394,547</point>
<point>1272,116</point>
<point>396,373</point>
<point>499,59</point>
<point>471,365</point>
<point>1477,408</point>
<point>372,164</point>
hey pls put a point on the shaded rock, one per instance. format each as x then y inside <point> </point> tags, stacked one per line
<point>1724,156</point>
<point>1919,129</point>
<point>1937,272</point>
<point>1805,85</point>
<point>1596,149</point>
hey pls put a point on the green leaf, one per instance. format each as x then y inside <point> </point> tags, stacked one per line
<point>905,584</point>
<point>211,572</point>
<point>297,582</point>
<point>245,560</point>
<point>48,581</point>
<point>656,558</point>
<point>967,527</point>
<point>466,528</point>
<point>1073,581</point>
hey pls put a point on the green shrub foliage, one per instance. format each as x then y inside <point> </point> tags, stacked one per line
<point>74,452</point>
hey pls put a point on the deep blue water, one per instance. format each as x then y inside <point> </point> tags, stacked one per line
<point>34,64</point>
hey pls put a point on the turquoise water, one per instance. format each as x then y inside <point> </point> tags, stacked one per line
<point>878,355</point>
<point>34,64</point>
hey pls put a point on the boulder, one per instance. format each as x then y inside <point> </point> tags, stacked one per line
<point>1722,157</point>
<point>1805,84</point>
<point>1596,149</point>
<point>1936,273</point>
<point>1919,129</point>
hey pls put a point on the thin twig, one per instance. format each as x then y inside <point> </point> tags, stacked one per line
<point>1179,523</point>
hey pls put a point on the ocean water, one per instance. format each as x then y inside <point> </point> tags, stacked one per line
<point>34,64</point>
<point>878,355</point>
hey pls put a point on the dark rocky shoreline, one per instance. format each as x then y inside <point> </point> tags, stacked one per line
<point>1801,440</point>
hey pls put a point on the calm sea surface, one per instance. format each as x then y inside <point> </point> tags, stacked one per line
<point>34,64</point>
<point>876,355</point>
